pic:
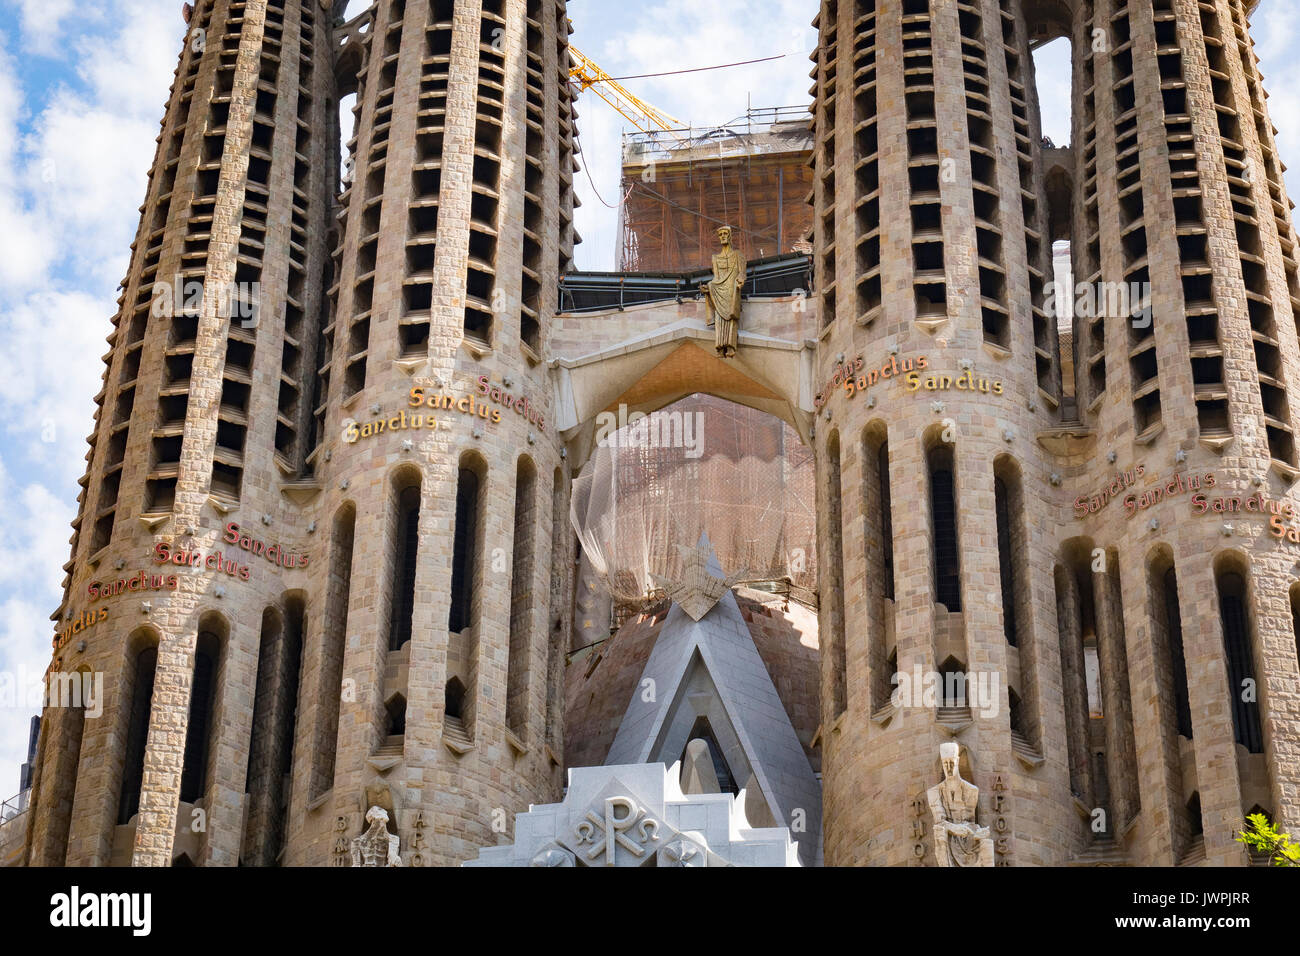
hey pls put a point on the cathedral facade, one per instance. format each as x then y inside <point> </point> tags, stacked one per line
<point>324,560</point>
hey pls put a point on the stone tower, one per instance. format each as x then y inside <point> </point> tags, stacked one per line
<point>314,558</point>
<point>1116,560</point>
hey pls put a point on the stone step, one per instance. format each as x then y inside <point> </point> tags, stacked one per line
<point>453,732</point>
<point>1102,852</point>
<point>1195,854</point>
<point>1022,746</point>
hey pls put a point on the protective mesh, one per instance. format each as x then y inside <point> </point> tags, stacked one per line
<point>702,464</point>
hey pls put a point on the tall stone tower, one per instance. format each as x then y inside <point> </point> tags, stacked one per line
<point>1117,563</point>
<point>314,560</point>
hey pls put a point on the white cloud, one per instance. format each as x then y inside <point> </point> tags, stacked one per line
<point>42,23</point>
<point>672,35</point>
<point>74,158</point>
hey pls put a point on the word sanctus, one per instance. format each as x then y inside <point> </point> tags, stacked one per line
<point>352,431</point>
<point>965,382</point>
<point>843,372</point>
<point>520,403</point>
<point>140,581</point>
<point>85,622</point>
<point>1090,505</point>
<point>216,561</point>
<point>1177,485</point>
<point>273,553</point>
<point>890,370</point>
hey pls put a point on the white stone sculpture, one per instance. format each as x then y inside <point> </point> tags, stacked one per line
<point>376,847</point>
<point>958,839</point>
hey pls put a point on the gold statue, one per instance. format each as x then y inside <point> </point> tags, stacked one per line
<point>722,294</point>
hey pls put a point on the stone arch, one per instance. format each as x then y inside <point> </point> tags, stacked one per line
<point>650,371</point>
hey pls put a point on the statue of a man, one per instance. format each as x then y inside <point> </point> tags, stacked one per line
<point>958,840</point>
<point>376,847</point>
<point>722,294</point>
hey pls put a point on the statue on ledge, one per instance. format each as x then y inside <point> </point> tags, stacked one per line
<point>958,840</point>
<point>376,847</point>
<point>722,294</point>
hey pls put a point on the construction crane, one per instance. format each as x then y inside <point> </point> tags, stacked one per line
<point>589,76</point>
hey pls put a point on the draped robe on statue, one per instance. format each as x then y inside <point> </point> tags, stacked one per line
<point>722,293</point>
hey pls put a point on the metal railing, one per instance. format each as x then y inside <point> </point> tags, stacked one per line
<point>599,291</point>
<point>14,806</point>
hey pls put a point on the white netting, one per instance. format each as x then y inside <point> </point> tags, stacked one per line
<point>702,464</point>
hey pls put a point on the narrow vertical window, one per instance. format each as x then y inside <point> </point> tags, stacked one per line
<point>1242,686</point>
<point>1177,659</point>
<point>878,582</point>
<point>406,545</point>
<point>943,514</point>
<point>194,771</point>
<point>270,750</point>
<point>834,592</point>
<point>522,604</point>
<point>1006,565</point>
<point>464,542</point>
<point>137,733</point>
<point>331,668</point>
<point>1295,619</point>
<point>886,519</point>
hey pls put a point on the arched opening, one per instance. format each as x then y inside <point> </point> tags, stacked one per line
<point>952,684</point>
<point>1075,696</point>
<point>142,667</point>
<point>403,555</point>
<point>1195,823</point>
<point>1009,518</point>
<point>1295,619</point>
<point>270,752</point>
<point>1238,642</point>
<point>832,595</point>
<point>878,538</point>
<point>717,762</point>
<point>67,695</point>
<point>1169,634</point>
<point>558,617</point>
<point>465,543</point>
<point>454,699</point>
<point>395,718</point>
<point>203,697</point>
<point>1016,586</point>
<point>334,628</point>
<point>522,597</point>
<point>943,527</point>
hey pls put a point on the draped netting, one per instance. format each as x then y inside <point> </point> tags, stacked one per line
<point>702,464</point>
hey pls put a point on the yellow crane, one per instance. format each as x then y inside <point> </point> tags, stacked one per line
<point>589,76</point>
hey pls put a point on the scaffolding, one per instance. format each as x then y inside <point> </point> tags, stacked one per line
<point>679,186</point>
<point>702,465</point>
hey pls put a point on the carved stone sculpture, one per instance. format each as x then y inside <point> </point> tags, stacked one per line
<point>958,839</point>
<point>722,294</point>
<point>376,847</point>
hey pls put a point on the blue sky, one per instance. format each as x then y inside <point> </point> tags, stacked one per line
<point>82,89</point>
